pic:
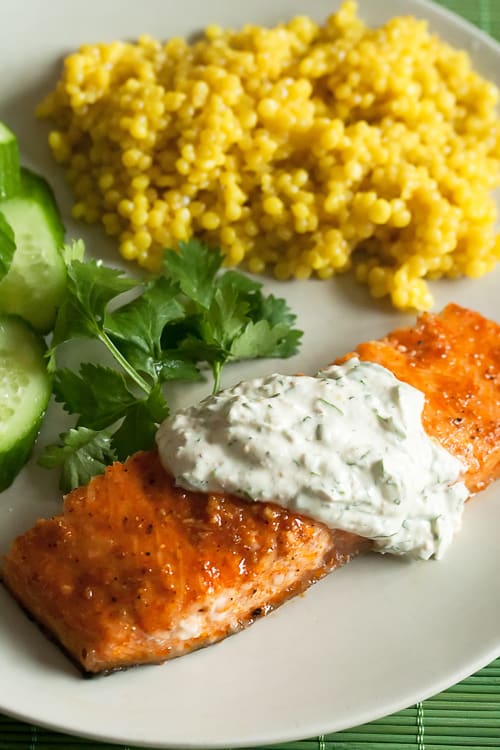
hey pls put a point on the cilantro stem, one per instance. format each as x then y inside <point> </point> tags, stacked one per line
<point>131,372</point>
<point>216,371</point>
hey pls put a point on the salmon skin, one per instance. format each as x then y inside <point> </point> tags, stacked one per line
<point>136,570</point>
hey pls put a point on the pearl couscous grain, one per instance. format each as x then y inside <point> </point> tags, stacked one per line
<point>304,149</point>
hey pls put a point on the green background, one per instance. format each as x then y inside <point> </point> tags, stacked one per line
<point>465,716</point>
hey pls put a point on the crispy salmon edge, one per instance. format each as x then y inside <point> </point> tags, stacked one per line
<point>256,614</point>
<point>88,675</point>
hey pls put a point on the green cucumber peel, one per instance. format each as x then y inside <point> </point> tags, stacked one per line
<point>10,177</point>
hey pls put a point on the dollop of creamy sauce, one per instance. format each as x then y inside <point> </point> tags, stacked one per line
<point>345,447</point>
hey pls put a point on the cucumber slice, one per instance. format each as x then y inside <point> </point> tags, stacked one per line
<point>25,388</point>
<point>10,179</point>
<point>7,246</point>
<point>34,285</point>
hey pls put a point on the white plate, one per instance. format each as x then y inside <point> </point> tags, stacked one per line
<point>371,639</point>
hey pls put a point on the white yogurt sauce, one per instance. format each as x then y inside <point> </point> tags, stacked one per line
<point>345,447</point>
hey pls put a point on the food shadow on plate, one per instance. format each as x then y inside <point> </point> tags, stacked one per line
<point>21,635</point>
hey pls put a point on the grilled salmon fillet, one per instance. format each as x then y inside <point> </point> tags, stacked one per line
<point>137,570</point>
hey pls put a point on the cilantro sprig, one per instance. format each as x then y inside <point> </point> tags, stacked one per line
<point>154,331</point>
<point>81,454</point>
<point>227,316</point>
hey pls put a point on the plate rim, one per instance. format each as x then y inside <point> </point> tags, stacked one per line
<point>427,7</point>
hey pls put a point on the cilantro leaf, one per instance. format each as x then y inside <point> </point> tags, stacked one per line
<point>244,285</point>
<point>138,429</point>
<point>194,267</point>
<point>136,328</point>
<point>219,326</point>
<point>224,318</point>
<point>98,394</point>
<point>167,365</point>
<point>90,287</point>
<point>176,332</point>
<point>288,344</point>
<point>175,365</point>
<point>143,320</point>
<point>137,432</point>
<point>197,350</point>
<point>82,454</point>
<point>273,309</point>
<point>261,339</point>
<point>260,307</point>
<point>156,404</point>
<point>7,245</point>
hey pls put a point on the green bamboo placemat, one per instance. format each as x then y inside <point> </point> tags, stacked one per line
<point>465,716</point>
<point>483,13</point>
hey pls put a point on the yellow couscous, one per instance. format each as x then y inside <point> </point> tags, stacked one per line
<point>301,149</point>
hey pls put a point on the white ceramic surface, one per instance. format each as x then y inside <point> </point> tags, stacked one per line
<point>372,638</point>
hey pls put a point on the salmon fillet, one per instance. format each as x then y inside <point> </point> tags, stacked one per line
<point>137,570</point>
